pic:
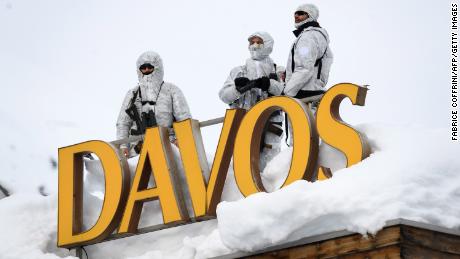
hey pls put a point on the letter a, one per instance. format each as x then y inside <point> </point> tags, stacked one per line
<point>156,154</point>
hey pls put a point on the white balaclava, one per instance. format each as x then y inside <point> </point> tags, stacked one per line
<point>311,10</point>
<point>260,64</point>
<point>150,84</point>
<point>261,51</point>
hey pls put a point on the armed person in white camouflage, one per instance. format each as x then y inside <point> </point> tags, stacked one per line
<point>153,102</point>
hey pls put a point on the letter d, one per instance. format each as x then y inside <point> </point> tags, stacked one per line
<point>70,204</point>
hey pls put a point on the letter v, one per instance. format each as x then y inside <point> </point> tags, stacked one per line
<point>205,198</point>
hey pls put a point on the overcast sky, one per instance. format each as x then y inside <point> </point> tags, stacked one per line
<point>65,65</point>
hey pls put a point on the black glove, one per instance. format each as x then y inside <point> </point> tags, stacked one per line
<point>273,76</point>
<point>263,83</point>
<point>240,84</point>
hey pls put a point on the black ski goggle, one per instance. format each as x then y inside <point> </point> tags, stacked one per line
<point>148,102</point>
<point>300,13</point>
<point>145,66</point>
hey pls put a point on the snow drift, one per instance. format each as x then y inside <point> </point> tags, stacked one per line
<point>413,173</point>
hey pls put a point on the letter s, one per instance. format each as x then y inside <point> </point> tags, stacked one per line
<point>334,131</point>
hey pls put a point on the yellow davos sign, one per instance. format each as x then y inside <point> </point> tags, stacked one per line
<point>240,136</point>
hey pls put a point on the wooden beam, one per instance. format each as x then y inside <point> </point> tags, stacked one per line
<point>205,123</point>
<point>400,238</point>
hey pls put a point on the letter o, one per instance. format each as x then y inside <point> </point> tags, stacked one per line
<point>246,153</point>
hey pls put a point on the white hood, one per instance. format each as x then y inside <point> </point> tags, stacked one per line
<point>150,84</point>
<point>170,104</point>
<point>152,58</point>
<point>267,48</point>
<point>260,64</point>
<point>311,10</point>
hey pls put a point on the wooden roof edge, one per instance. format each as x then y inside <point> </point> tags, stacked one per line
<point>341,233</point>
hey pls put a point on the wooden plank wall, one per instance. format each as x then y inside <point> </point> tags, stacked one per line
<point>398,241</point>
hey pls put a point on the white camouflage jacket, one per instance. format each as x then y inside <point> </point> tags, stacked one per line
<point>259,65</point>
<point>310,45</point>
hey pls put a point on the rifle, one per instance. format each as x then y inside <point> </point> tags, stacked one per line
<point>133,113</point>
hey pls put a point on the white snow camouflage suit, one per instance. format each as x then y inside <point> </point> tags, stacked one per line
<point>310,45</point>
<point>259,65</point>
<point>170,102</point>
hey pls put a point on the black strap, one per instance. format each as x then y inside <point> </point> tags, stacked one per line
<point>149,102</point>
<point>319,62</point>
<point>307,93</point>
<point>172,108</point>
<point>292,57</point>
<point>286,128</point>
<point>299,30</point>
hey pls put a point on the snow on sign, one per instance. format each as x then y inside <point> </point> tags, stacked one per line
<point>240,137</point>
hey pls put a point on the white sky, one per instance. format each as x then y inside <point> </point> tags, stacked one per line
<point>65,65</point>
